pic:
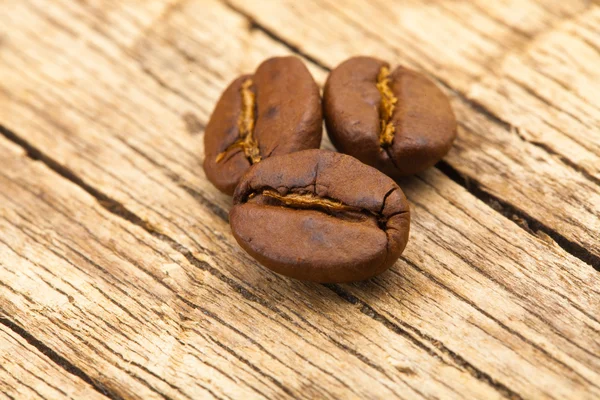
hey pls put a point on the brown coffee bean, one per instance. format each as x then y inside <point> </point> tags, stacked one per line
<point>275,111</point>
<point>320,216</point>
<point>399,122</point>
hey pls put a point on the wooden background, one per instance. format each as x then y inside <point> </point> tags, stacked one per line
<point>119,276</point>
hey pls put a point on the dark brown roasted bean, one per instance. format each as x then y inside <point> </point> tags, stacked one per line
<point>275,111</point>
<point>320,216</point>
<point>397,121</point>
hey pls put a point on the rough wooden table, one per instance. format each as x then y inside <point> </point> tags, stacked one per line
<point>119,276</point>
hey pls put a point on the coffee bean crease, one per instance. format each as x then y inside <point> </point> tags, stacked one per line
<point>310,201</point>
<point>386,107</point>
<point>246,123</point>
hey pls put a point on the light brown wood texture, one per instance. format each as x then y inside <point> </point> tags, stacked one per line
<point>26,373</point>
<point>134,313</point>
<point>116,253</point>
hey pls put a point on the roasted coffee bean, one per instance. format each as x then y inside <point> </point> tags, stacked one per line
<point>320,216</point>
<point>399,122</point>
<point>275,111</point>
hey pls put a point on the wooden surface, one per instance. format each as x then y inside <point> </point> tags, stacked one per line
<point>119,276</point>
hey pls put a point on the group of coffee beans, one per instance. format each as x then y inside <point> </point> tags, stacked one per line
<point>314,214</point>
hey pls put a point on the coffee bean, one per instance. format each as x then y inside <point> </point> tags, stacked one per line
<point>275,111</point>
<point>397,121</point>
<point>320,216</point>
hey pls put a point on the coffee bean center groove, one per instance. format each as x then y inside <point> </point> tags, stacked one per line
<point>386,107</point>
<point>246,123</point>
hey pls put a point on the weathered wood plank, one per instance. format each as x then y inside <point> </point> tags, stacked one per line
<point>26,373</point>
<point>134,314</point>
<point>549,91</point>
<point>130,142</point>
<point>532,136</point>
<point>485,281</point>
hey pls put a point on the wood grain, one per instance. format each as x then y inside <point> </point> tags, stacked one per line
<point>529,125</point>
<point>167,305</point>
<point>26,373</point>
<point>135,314</point>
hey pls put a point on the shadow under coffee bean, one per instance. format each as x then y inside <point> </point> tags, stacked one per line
<point>397,121</point>
<point>320,216</point>
<point>275,111</point>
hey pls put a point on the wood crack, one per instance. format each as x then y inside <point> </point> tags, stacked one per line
<point>370,312</point>
<point>252,366</point>
<point>517,220</point>
<point>533,225</point>
<point>255,25</point>
<point>89,345</point>
<point>88,260</point>
<point>56,358</point>
<point>342,346</point>
<point>47,382</point>
<point>220,370</point>
<point>522,297</point>
<point>214,208</point>
<point>258,345</point>
<point>561,157</point>
<point>216,227</point>
<point>488,315</point>
<point>118,209</point>
<point>41,396</point>
<point>530,91</point>
<point>475,372</point>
